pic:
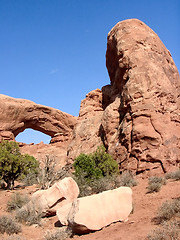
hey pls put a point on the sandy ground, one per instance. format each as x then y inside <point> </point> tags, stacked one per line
<point>138,226</point>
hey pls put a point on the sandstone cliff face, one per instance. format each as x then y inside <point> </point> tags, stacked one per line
<point>86,135</point>
<point>146,83</point>
<point>136,117</point>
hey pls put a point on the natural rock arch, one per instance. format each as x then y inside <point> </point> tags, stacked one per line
<point>16,115</point>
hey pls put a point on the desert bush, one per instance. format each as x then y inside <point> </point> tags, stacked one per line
<point>155,183</point>
<point>29,214</point>
<point>9,225</point>
<point>30,179</point>
<point>126,179</point>
<point>105,183</point>
<point>168,210</point>
<point>58,235</point>
<point>13,164</point>
<point>168,231</point>
<point>96,165</point>
<point>49,174</point>
<point>16,201</point>
<point>174,175</point>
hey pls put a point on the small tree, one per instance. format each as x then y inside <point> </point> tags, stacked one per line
<point>13,164</point>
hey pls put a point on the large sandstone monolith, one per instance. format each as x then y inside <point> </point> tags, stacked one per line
<point>94,212</point>
<point>137,116</point>
<point>49,200</point>
<point>141,120</point>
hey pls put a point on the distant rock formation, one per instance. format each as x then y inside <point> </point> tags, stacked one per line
<point>136,117</point>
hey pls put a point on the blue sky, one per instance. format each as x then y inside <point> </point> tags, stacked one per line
<point>53,51</point>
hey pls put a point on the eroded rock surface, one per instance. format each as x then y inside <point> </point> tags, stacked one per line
<point>86,137</point>
<point>94,212</point>
<point>18,114</point>
<point>146,84</point>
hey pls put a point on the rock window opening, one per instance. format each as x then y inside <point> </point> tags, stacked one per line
<point>32,136</point>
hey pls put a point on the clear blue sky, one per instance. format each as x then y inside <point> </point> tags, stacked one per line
<point>53,51</point>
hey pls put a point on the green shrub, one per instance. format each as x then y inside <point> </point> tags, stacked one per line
<point>95,165</point>
<point>16,202</point>
<point>9,225</point>
<point>13,164</point>
<point>169,231</point>
<point>174,175</point>
<point>58,235</point>
<point>155,183</point>
<point>29,215</point>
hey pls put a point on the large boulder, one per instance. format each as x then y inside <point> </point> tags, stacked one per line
<point>94,212</point>
<point>49,200</point>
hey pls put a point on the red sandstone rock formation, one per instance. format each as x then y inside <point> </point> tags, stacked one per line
<point>136,117</point>
<point>18,114</point>
<point>86,138</point>
<point>146,83</point>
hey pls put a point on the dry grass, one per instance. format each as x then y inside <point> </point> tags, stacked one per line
<point>58,235</point>
<point>155,183</point>
<point>29,215</point>
<point>9,225</point>
<point>168,231</point>
<point>174,175</point>
<point>16,201</point>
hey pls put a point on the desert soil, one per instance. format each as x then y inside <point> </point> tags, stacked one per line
<point>136,228</point>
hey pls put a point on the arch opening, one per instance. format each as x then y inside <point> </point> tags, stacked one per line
<point>32,136</point>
